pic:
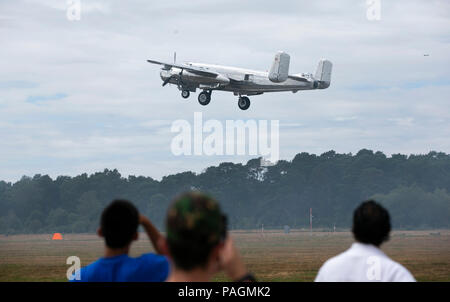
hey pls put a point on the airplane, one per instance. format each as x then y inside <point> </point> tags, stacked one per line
<point>242,82</point>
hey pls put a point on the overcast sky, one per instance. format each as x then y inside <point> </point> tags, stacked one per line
<point>79,96</point>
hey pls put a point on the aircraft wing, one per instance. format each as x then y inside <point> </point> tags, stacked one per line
<point>194,69</point>
<point>298,78</point>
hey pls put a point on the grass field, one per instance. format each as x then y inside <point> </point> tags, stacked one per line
<point>274,256</point>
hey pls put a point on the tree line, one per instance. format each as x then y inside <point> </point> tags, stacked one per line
<point>415,189</point>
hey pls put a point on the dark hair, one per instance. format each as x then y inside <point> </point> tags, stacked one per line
<point>195,225</point>
<point>371,223</point>
<point>119,223</point>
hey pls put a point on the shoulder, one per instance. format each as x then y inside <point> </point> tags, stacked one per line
<point>77,276</point>
<point>154,265</point>
<point>152,258</point>
<point>336,260</point>
<point>85,272</point>
<point>398,273</point>
<point>329,266</point>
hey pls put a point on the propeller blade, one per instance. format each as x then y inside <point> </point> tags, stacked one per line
<point>167,81</point>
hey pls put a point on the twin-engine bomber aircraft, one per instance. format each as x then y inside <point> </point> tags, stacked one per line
<point>190,76</point>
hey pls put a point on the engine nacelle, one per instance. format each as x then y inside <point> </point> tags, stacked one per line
<point>280,67</point>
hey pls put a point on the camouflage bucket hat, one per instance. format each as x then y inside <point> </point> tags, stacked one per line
<point>195,218</point>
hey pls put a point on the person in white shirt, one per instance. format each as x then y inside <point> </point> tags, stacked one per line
<point>364,261</point>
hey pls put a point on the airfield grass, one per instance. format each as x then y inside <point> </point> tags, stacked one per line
<point>272,256</point>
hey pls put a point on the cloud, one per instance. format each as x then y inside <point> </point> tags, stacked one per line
<point>78,96</point>
<point>403,121</point>
<point>43,98</point>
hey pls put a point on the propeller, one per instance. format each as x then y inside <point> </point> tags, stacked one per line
<point>174,76</point>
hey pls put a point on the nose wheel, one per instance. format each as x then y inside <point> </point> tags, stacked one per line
<point>243,102</point>
<point>204,98</point>
<point>185,94</point>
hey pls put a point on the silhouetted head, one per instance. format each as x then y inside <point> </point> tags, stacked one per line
<point>119,223</point>
<point>371,223</point>
<point>195,228</point>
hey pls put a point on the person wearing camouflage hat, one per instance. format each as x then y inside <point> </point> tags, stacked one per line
<point>197,243</point>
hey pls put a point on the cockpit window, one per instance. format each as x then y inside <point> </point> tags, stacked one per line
<point>248,77</point>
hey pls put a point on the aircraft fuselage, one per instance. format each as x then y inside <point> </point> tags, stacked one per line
<point>239,80</point>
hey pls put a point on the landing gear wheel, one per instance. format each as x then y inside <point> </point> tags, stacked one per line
<point>204,98</point>
<point>185,94</point>
<point>244,102</point>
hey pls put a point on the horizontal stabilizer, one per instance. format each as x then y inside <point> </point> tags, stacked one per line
<point>298,78</point>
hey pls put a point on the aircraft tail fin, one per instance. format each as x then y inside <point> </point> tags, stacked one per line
<point>280,67</point>
<point>323,73</point>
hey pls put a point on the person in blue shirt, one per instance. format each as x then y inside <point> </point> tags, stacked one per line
<point>118,226</point>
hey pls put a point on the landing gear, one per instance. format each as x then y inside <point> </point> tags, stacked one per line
<point>243,102</point>
<point>185,94</point>
<point>204,98</point>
